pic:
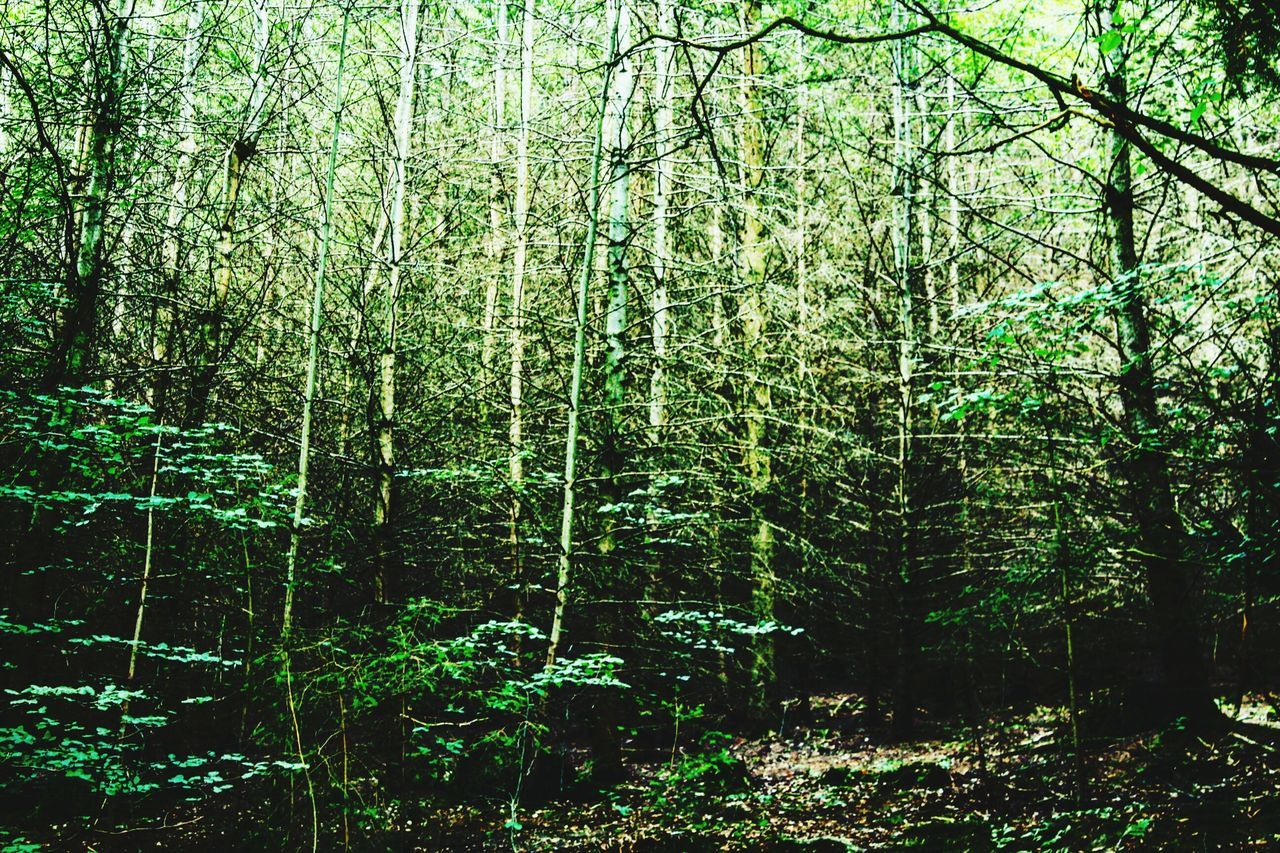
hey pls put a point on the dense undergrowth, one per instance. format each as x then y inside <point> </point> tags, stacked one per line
<point>430,727</point>
<point>834,783</point>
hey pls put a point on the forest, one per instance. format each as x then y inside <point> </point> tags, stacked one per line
<point>665,425</point>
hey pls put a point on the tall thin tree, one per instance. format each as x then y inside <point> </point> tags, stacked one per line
<point>1160,536</point>
<point>515,431</point>
<point>385,440</point>
<point>757,394</point>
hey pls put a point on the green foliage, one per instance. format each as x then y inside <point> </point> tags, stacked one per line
<point>712,630</point>
<point>481,690</point>
<point>108,446</point>
<point>1246,35</point>
<point>17,843</point>
<point>158,651</point>
<point>1104,827</point>
<point>709,771</point>
<point>98,734</point>
<point>1114,38</point>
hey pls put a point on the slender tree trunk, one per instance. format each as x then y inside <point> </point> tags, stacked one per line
<point>382,507</point>
<point>6,110</point>
<point>1261,476</point>
<point>1062,555</point>
<point>664,67</point>
<point>924,228</point>
<point>904,235</point>
<point>802,306</point>
<point>1160,537</point>
<point>719,376</point>
<point>304,433</point>
<point>515,433</point>
<point>618,143</point>
<point>951,299</point>
<point>497,197</point>
<point>313,346</point>
<point>358,321</point>
<point>564,572</point>
<point>606,750</point>
<point>148,560</point>
<point>757,401</point>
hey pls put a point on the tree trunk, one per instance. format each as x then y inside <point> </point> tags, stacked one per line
<point>78,318</point>
<point>565,568</point>
<point>1160,537</point>
<point>1261,476</point>
<point>313,347</point>
<point>904,236</point>
<point>6,110</point>
<point>664,57</point>
<point>148,561</point>
<point>515,432</point>
<point>617,140</point>
<point>497,201</point>
<point>756,398</point>
<point>360,312</point>
<point>802,310</point>
<point>606,750</point>
<point>385,464</point>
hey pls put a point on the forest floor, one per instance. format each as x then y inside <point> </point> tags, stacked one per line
<point>833,785</point>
